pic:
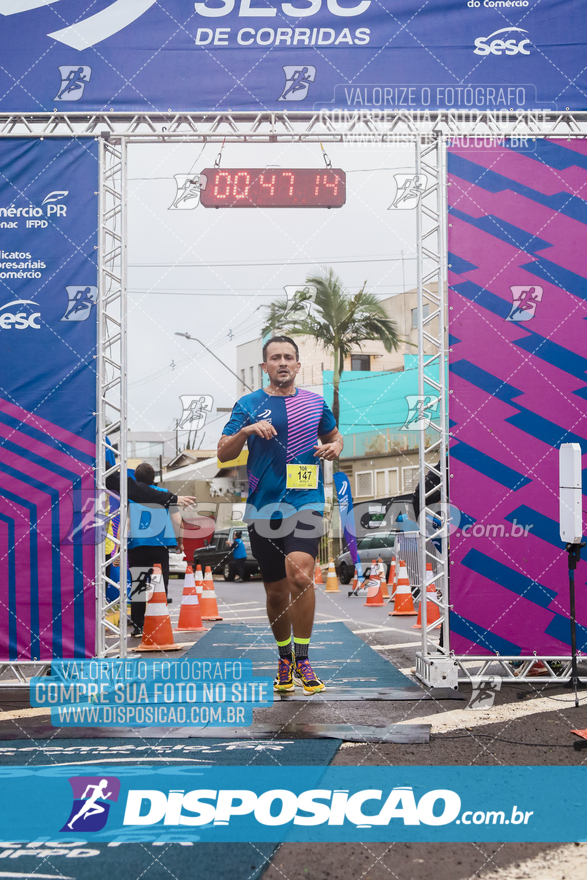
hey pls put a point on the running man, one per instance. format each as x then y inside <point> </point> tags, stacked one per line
<point>91,808</point>
<point>281,425</point>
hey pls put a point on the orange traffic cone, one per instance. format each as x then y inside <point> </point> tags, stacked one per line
<point>190,616</point>
<point>392,579</point>
<point>318,574</point>
<point>432,609</point>
<point>356,587</point>
<point>208,605</point>
<point>404,604</point>
<point>199,581</point>
<point>384,590</point>
<point>157,632</point>
<point>331,579</point>
<point>374,597</point>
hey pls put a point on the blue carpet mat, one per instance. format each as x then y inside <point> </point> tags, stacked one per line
<point>147,861</point>
<point>153,861</point>
<point>138,861</point>
<point>168,751</point>
<point>339,656</point>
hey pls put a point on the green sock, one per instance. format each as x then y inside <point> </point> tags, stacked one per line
<point>285,648</point>
<point>301,647</point>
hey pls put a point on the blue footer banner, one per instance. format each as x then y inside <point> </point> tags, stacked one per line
<point>312,803</point>
<point>48,332</point>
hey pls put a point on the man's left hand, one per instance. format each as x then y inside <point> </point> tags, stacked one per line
<point>328,451</point>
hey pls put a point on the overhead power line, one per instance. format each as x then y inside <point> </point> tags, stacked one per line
<point>285,263</point>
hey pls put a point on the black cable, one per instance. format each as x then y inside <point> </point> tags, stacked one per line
<point>513,742</point>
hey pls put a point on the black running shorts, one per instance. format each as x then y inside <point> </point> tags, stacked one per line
<point>273,540</point>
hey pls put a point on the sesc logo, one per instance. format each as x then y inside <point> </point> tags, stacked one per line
<point>499,46</point>
<point>19,320</point>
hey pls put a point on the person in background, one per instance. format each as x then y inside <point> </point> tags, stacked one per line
<point>153,530</point>
<point>239,554</point>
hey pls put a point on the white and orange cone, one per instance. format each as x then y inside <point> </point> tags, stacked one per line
<point>199,581</point>
<point>190,616</point>
<point>209,605</point>
<point>404,603</point>
<point>357,589</point>
<point>157,631</point>
<point>318,575</point>
<point>374,596</point>
<point>432,609</point>
<point>392,579</point>
<point>331,579</point>
<point>384,590</point>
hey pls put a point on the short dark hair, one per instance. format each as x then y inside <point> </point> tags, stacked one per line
<point>238,534</point>
<point>279,339</point>
<point>145,473</point>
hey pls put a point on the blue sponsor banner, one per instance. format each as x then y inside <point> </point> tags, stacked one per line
<point>77,55</point>
<point>347,518</point>
<point>48,330</point>
<point>311,803</point>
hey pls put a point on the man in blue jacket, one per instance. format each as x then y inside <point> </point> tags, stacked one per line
<point>239,554</point>
<point>151,534</point>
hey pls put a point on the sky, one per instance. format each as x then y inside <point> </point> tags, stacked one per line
<point>210,272</point>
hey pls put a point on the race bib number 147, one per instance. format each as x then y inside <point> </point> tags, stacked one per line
<point>302,476</point>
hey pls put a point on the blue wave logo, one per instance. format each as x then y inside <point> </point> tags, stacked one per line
<point>89,31</point>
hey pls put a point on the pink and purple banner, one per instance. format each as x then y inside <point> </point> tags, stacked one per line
<point>518,378</point>
<point>48,295</point>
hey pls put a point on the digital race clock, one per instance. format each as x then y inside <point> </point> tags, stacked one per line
<point>272,188</point>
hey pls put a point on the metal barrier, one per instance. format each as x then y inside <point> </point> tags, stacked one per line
<point>407,547</point>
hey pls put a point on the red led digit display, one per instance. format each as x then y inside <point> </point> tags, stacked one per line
<point>273,188</point>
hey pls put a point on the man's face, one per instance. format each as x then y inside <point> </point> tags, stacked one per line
<point>282,364</point>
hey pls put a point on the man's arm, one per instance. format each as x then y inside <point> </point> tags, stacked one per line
<point>332,445</point>
<point>176,520</point>
<point>231,445</point>
<point>140,492</point>
<point>144,494</point>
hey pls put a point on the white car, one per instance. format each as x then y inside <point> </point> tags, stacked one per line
<point>177,563</point>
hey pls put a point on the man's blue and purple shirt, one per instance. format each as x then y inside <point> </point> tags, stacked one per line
<point>299,420</point>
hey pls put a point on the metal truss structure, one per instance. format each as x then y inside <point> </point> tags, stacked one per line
<point>433,667</point>
<point>354,126</point>
<point>429,132</point>
<point>111,392</point>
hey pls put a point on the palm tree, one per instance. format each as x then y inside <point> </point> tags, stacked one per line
<point>337,319</point>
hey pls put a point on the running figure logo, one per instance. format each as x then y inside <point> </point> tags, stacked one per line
<point>420,409</point>
<point>524,302</point>
<point>409,188</point>
<point>297,82</point>
<point>80,300</point>
<point>187,196</point>
<point>299,299</point>
<point>90,802</point>
<point>484,691</point>
<point>74,79</point>
<point>195,410</point>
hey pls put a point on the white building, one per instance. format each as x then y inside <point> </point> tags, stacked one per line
<point>402,308</point>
